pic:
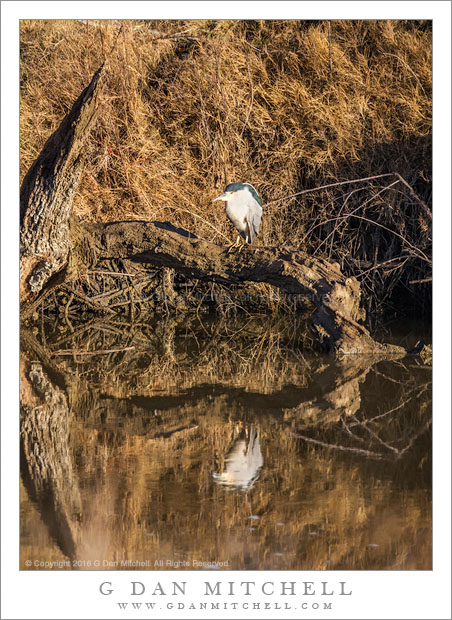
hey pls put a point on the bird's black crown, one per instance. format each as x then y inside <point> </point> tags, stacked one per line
<point>235,187</point>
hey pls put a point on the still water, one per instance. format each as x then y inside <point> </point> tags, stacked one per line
<point>207,444</point>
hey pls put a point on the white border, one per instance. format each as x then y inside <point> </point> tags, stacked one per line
<point>382,594</point>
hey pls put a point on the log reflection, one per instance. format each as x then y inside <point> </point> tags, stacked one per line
<point>46,455</point>
<point>130,452</point>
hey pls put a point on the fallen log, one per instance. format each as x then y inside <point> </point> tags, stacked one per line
<point>55,248</point>
<point>317,281</point>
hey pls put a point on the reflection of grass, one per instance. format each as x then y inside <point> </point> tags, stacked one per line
<point>145,475</point>
<point>183,114</point>
<point>144,497</point>
<point>260,353</point>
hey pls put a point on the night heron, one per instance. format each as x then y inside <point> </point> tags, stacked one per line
<point>244,209</point>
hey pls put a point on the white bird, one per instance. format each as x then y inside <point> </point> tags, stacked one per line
<point>244,209</point>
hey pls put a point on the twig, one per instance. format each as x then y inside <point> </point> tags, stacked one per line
<point>114,273</point>
<point>87,301</point>
<point>66,309</point>
<point>43,333</point>
<point>329,48</point>
<point>417,251</point>
<point>28,310</point>
<point>317,189</point>
<point>109,295</point>
<point>414,195</point>
<point>378,176</point>
<point>409,69</point>
<point>386,262</point>
<point>420,254</point>
<point>420,281</point>
<point>99,352</point>
<point>201,218</point>
<point>252,99</point>
<point>344,217</point>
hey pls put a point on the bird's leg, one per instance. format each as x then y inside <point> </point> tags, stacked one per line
<point>242,245</point>
<point>235,244</point>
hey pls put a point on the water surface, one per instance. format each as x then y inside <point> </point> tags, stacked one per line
<point>220,445</point>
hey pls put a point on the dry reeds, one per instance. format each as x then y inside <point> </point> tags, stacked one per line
<point>285,105</point>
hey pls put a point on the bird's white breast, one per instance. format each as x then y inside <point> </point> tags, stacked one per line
<point>236,212</point>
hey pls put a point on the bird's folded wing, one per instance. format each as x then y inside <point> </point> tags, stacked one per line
<point>254,221</point>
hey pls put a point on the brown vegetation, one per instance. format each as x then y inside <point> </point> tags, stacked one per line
<point>57,248</point>
<point>335,133</point>
<point>190,105</point>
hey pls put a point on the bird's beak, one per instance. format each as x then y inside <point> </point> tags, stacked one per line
<point>222,197</point>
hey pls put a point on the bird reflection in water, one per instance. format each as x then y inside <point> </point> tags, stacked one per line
<point>243,462</point>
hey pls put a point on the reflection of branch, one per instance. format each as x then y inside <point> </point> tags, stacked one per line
<point>381,374</point>
<point>369,453</point>
<point>415,436</point>
<point>81,330</point>
<point>374,455</point>
<point>402,404</point>
<point>347,428</point>
<point>375,436</point>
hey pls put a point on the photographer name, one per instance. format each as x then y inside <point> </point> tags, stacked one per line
<point>234,588</point>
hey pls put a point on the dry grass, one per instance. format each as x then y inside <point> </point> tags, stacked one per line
<point>188,106</point>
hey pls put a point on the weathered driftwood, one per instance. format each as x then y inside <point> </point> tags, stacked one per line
<point>49,244</point>
<point>47,193</point>
<point>319,282</point>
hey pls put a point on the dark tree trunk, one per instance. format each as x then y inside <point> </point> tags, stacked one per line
<point>47,193</point>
